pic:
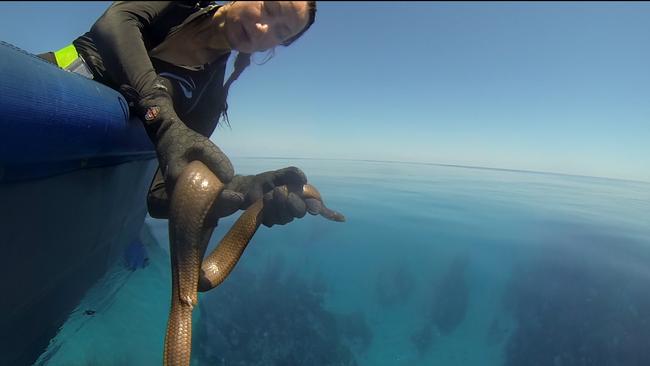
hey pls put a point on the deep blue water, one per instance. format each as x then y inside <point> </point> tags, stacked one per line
<point>435,265</point>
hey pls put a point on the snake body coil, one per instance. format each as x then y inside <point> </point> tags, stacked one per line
<point>194,196</point>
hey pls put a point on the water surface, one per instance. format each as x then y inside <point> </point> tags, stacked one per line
<point>436,265</point>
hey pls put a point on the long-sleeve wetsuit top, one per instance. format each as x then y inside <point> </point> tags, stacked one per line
<point>117,51</point>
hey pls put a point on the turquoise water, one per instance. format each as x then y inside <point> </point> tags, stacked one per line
<point>436,265</point>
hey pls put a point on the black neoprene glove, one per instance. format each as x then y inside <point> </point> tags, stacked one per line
<point>281,205</point>
<point>177,145</point>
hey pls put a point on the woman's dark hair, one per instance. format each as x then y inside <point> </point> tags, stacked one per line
<point>244,59</point>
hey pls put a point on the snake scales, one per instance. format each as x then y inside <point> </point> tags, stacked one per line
<point>189,233</point>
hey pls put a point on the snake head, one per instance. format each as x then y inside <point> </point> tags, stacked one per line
<point>316,206</point>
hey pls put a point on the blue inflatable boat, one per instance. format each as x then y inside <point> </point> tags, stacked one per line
<point>74,173</point>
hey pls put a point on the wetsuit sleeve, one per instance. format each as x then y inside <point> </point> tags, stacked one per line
<point>120,35</point>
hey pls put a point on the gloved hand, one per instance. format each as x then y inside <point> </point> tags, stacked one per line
<point>281,205</point>
<point>177,145</point>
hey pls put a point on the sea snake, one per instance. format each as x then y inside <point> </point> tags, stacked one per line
<point>190,229</point>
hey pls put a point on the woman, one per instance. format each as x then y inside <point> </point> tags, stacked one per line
<point>168,59</point>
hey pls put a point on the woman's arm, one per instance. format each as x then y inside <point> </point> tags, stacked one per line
<point>120,35</point>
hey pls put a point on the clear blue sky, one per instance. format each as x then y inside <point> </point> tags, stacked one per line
<point>547,86</point>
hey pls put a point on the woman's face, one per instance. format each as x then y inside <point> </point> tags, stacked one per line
<point>253,26</point>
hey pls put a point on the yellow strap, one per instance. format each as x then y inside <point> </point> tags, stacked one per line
<point>65,56</point>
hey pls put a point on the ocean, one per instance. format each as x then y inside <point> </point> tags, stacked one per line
<point>435,265</point>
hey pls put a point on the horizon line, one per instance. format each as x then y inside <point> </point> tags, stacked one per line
<point>450,166</point>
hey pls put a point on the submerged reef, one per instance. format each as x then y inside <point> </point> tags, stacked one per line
<point>582,300</point>
<point>394,284</point>
<point>497,332</point>
<point>447,307</point>
<point>452,296</point>
<point>423,338</point>
<point>276,318</point>
<point>355,330</point>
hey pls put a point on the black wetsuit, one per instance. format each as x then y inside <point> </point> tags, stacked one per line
<point>116,47</point>
<point>116,50</point>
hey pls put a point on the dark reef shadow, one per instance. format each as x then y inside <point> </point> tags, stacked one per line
<point>394,284</point>
<point>582,299</point>
<point>276,317</point>
<point>451,298</point>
